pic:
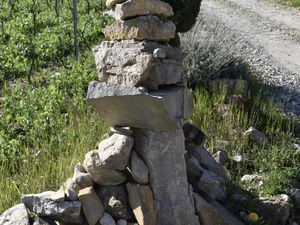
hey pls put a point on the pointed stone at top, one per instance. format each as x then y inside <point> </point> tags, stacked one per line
<point>133,8</point>
<point>112,3</point>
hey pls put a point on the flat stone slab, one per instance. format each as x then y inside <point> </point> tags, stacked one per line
<point>141,28</point>
<point>135,63</point>
<point>163,153</point>
<point>133,8</point>
<point>135,107</point>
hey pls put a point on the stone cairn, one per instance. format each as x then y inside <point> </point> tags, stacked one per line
<point>151,169</point>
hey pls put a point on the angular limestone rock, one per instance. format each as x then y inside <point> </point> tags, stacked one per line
<point>163,153</point>
<point>138,169</point>
<point>213,213</point>
<point>135,63</point>
<point>99,173</point>
<point>80,180</point>
<point>31,199</point>
<point>15,215</point>
<point>208,162</point>
<point>141,202</point>
<point>114,152</point>
<point>141,28</point>
<point>201,179</point>
<point>115,201</point>
<point>65,212</point>
<point>133,8</point>
<point>127,106</point>
<point>91,205</point>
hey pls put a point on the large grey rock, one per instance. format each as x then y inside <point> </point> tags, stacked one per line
<point>107,219</point>
<point>31,199</point>
<point>138,169</point>
<point>274,209</point>
<point>16,215</point>
<point>65,212</point>
<point>136,63</point>
<point>163,153</point>
<point>141,28</point>
<point>81,179</point>
<point>115,201</point>
<point>135,107</point>
<point>141,202</point>
<point>256,136</point>
<point>114,152</point>
<point>99,173</point>
<point>213,213</point>
<point>201,179</point>
<point>209,163</point>
<point>91,205</point>
<point>133,8</point>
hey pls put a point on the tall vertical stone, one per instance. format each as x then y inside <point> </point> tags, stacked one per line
<point>163,152</point>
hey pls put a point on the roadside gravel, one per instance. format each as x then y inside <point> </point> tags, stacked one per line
<point>267,37</point>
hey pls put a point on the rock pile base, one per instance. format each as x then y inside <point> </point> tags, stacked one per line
<point>148,170</point>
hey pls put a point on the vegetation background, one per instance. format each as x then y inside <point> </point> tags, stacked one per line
<point>46,127</point>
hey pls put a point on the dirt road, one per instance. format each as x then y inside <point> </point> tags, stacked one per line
<point>267,36</point>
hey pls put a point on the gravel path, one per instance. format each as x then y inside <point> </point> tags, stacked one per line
<point>267,36</point>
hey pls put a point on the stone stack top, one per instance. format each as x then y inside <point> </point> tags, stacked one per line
<point>134,8</point>
<point>140,20</point>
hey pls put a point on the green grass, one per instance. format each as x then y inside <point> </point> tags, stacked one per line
<point>59,155</point>
<point>292,3</point>
<point>277,162</point>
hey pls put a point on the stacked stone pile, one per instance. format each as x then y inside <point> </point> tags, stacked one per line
<point>151,169</point>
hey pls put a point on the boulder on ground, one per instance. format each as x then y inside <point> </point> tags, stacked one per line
<point>256,136</point>
<point>17,215</point>
<point>141,28</point>
<point>31,199</point>
<point>101,175</point>
<point>207,162</point>
<point>274,209</point>
<point>65,212</point>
